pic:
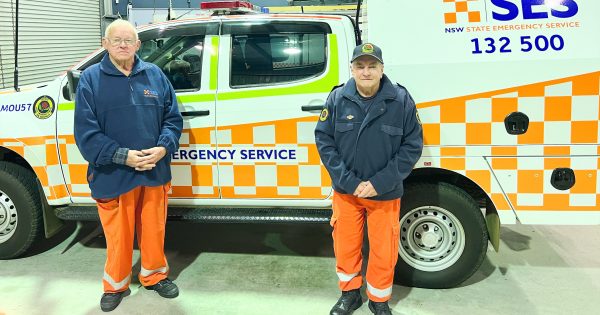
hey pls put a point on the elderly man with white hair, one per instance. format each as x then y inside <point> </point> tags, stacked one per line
<point>127,124</point>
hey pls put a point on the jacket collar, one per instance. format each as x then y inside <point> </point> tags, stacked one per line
<point>109,68</point>
<point>387,90</point>
<point>379,107</point>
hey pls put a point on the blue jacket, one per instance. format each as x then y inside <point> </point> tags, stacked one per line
<point>381,145</point>
<point>137,112</point>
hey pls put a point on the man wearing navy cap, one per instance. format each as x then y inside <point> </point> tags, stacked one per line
<point>369,138</point>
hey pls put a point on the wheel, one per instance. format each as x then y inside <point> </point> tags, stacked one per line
<point>20,210</point>
<point>443,236</point>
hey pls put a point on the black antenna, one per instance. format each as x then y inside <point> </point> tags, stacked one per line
<point>16,75</point>
<point>357,30</point>
<point>169,17</point>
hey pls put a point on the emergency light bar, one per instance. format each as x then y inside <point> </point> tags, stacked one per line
<point>232,7</point>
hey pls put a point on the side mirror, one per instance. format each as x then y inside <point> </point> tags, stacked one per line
<point>65,93</point>
<point>72,81</point>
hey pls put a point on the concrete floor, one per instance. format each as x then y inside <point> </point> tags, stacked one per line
<point>289,269</point>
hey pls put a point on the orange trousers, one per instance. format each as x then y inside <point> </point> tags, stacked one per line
<point>383,222</point>
<point>143,210</point>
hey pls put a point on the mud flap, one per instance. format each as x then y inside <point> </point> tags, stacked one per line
<point>492,222</point>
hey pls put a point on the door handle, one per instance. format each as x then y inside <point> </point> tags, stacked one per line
<point>309,108</point>
<point>195,113</point>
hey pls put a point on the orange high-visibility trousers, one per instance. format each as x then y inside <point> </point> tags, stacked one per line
<point>383,222</point>
<point>144,210</point>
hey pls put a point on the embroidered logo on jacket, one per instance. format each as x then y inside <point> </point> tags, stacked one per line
<point>150,93</point>
<point>324,114</point>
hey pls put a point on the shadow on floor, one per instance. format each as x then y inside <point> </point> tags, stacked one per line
<point>514,240</point>
<point>44,244</point>
<point>185,241</point>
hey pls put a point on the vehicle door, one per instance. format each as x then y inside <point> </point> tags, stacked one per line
<point>274,78</point>
<point>185,53</point>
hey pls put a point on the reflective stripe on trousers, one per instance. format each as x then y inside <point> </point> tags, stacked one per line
<point>346,277</point>
<point>145,272</point>
<point>117,286</point>
<point>380,293</point>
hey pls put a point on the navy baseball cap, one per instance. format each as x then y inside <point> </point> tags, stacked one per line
<point>367,49</point>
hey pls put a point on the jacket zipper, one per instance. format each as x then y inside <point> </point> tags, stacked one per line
<point>358,135</point>
<point>356,141</point>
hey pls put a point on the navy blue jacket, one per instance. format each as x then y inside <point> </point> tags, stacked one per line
<point>380,146</point>
<point>138,112</point>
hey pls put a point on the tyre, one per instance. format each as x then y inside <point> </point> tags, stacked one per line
<point>443,236</point>
<point>21,220</point>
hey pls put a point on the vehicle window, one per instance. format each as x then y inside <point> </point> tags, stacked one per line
<point>177,50</point>
<point>271,53</point>
<point>179,57</point>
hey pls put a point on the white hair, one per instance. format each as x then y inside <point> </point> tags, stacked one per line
<point>120,23</point>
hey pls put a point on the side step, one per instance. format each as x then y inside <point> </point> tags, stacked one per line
<point>214,215</point>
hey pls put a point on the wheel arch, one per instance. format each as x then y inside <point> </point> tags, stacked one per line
<point>51,223</point>
<point>434,175</point>
<point>12,156</point>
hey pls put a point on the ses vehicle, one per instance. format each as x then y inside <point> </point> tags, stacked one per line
<point>507,92</point>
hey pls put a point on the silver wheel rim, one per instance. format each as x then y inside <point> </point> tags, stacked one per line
<point>431,238</point>
<point>8,217</point>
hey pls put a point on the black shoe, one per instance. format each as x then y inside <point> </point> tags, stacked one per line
<point>110,301</point>
<point>165,288</point>
<point>347,303</point>
<point>379,308</point>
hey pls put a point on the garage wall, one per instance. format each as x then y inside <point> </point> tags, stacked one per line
<point>6,44</point>
<point>53,35</point>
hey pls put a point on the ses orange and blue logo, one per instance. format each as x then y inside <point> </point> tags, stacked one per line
<point>150,93</point>
<point>475,11</point>
<point>462,11</point>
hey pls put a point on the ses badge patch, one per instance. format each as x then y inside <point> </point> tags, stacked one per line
<point>43,107</point>
<point>368,48</point>
<point>324,114</point>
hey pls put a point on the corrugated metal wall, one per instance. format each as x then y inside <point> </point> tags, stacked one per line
<point>53,35</point>
<point>6,44</point>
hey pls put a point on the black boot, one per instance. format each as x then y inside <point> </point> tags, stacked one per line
<point>347,303</point>
<point>110,301</point>
<point>165,288</point>
<point>380,308</point>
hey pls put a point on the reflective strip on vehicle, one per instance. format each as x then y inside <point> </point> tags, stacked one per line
<point>66,106</point>
<point>214,63</point>
<point>116,285</point>
<point>380,293</point>
<point>344,277</point>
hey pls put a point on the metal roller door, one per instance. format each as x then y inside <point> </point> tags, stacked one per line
<point>53,35</point>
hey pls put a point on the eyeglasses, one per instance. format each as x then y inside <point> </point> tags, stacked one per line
<point>118,41</point>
